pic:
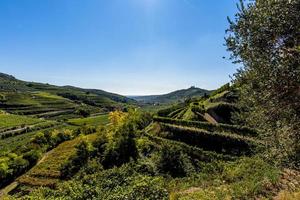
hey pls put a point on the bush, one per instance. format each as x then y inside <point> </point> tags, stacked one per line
<point>32,157</point>
<point>83,112</point>
<point>120,149</point>
<point>40,139</point>
<point>71,166</point>
<point>173,161</point>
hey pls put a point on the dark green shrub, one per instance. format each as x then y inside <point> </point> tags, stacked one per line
<point>71,166</point>
<point>173,161</point>
<point>83,112</point>
<point>32,157</point>
<point>40,139</point>
<point>120,149</point>
<point>19,165</point>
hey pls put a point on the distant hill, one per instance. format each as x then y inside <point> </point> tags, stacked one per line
<point>176,96</point>
<point>22,97</point>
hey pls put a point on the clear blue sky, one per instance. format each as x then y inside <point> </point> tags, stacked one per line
<point>131,47</point>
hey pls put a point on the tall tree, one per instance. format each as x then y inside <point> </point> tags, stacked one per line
<point>264,38</point>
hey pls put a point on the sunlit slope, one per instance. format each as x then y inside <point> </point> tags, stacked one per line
<point>215,108</point>
<point>44,100</point>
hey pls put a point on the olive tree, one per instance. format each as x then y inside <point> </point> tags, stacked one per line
<point>264,38</point>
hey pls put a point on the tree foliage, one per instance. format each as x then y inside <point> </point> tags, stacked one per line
<point>264,38</point>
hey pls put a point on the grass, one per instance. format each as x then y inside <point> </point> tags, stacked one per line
<point>50,96</point>
<point>47,172</point>
<point>9,120</point>
<point>245,178</point>
<point>92,121</point>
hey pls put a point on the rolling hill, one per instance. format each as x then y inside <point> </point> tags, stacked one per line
<point>45,100</point>
<point>173,97</point>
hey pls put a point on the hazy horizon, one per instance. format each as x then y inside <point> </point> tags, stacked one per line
<point>132,47</point>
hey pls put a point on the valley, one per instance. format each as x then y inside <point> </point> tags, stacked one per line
<point>150,100</point>
<point>49,139</point>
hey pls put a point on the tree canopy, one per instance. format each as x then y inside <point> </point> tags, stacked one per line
<point>264,38</point>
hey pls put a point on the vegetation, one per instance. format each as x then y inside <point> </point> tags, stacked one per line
<point>91,121</point>
<point>49,101</point>
<point>240,141</point>
<point>219,142</point>
<point>53,167</point>
<point>265,39</point>
<point>116,164</point>
<point>241,130</point>
<point>14,162</point>
<point>8,121</point>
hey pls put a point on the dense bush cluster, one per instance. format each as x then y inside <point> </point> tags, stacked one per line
<point>264,38</point>
<point>173,161</point>
<point>116,144</point>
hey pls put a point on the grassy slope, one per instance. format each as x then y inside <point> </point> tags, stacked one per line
<point>8,120</point>
<point>29,98</point>
<point>92,121</point>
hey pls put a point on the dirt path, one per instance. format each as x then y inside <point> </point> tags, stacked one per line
<point>209,118</point>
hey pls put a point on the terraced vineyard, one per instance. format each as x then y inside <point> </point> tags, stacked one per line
<point>8,121</point>
<point>48,171</point>
<point>216,108</point>
<point>221,142</point>
<point>196,125</point>
<point>198,134</point>
<point>38,104</point>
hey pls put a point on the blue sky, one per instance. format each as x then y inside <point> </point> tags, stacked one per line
<point>131,47</point>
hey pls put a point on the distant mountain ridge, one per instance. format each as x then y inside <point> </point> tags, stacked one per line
<point>176,96</point>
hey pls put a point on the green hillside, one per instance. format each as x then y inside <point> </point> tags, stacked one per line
<point>49,101</point>
<point>57,142</point>
<point>137,157</point>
